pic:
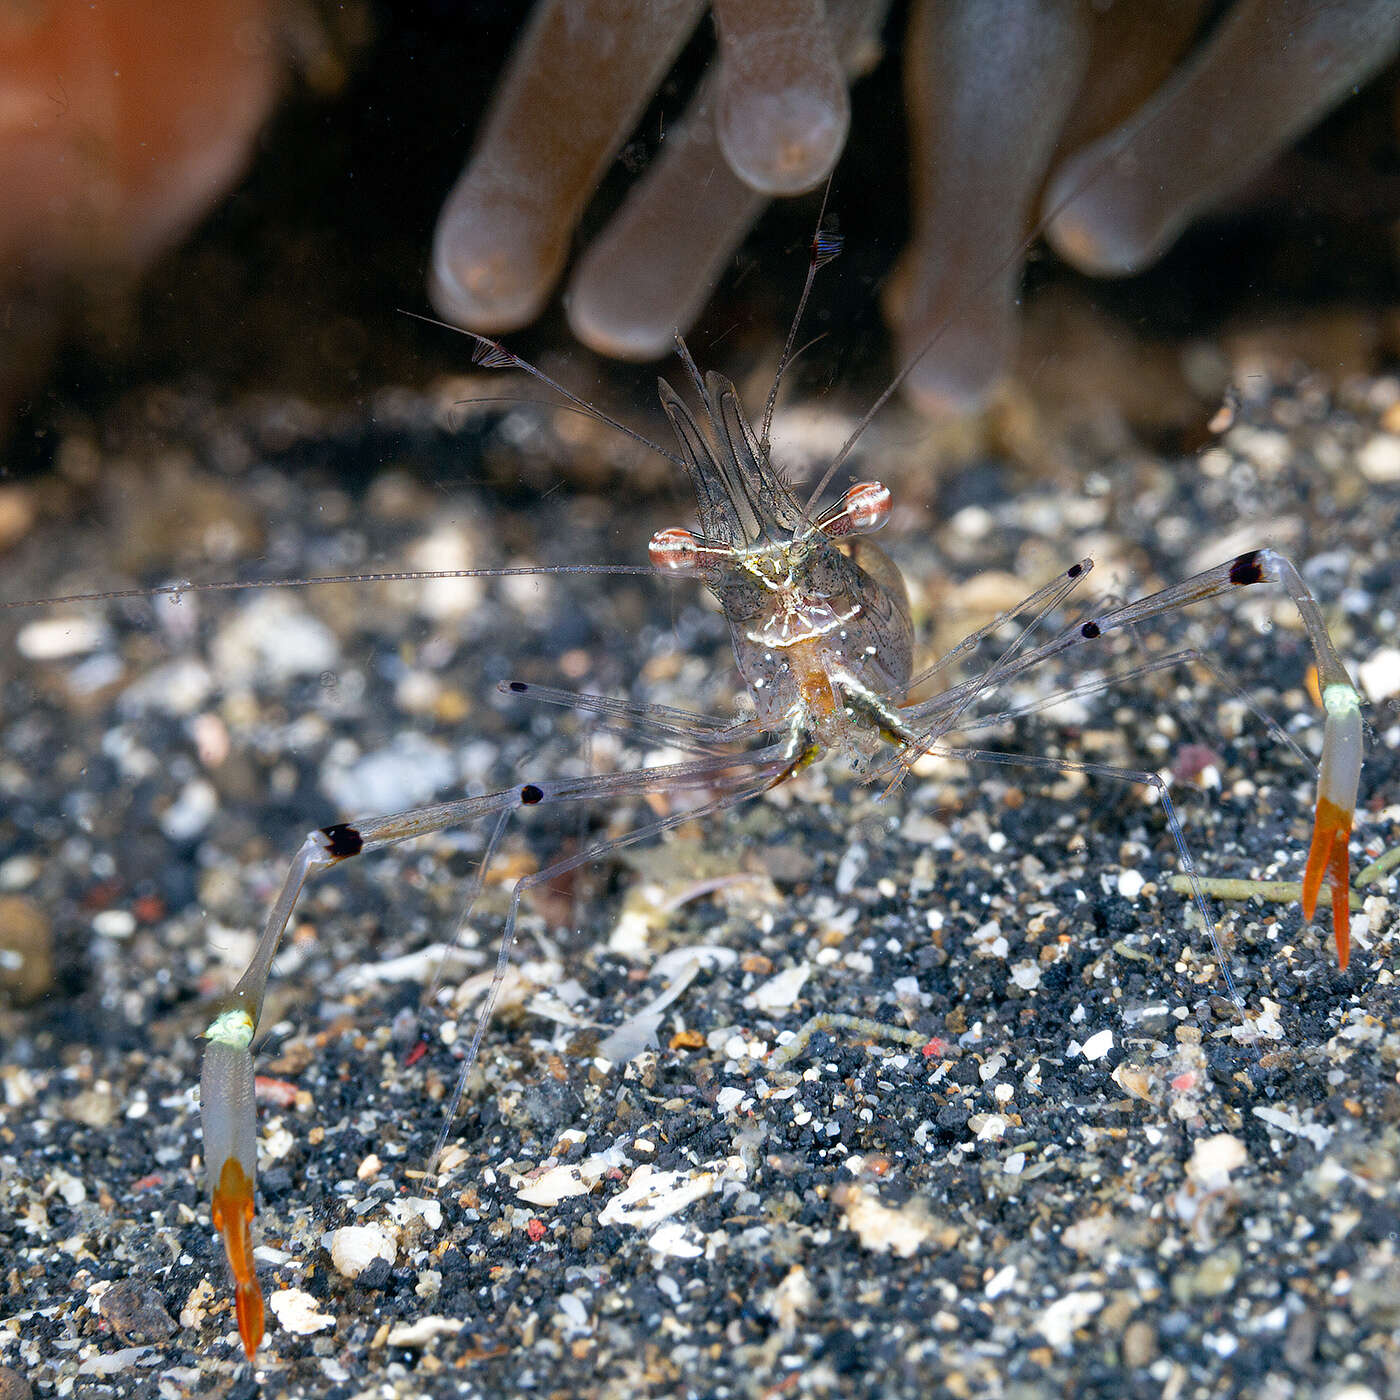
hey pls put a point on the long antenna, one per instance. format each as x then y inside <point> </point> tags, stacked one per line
<point>826,245</point>
<point>178,590</point>
<point>491,354</point>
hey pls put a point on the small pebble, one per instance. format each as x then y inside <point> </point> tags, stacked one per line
<point>1379,458</point>
<point>26,950</point>
<point>298,1312</point>
<point>58,638</point>
<point>13,1386</point>
<point>883,1229</point>
<point>136,1312</point>
<point>778,993</point>
<point>1139,1344</point>
<point>353,1248</point>
<point>114,923</point>
<point>1065,1316</point>
<point>1130,883</point>
<point>1214,1158</point>
<point>1379,674</point>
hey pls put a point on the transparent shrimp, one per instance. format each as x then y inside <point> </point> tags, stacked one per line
<point>821,629</point>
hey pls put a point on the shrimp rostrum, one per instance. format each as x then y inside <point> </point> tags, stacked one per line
<point>820,622</point>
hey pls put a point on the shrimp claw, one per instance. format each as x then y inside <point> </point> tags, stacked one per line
<point>1338,777</point>
<point>230,1154</point>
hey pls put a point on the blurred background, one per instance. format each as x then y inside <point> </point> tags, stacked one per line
<point>249,198</point>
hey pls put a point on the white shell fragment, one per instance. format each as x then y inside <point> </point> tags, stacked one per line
<point>651,1196</point>
<point>674,1239</point>
<point>408,1209</point>
<point>885,1229</point>
<point>1289,1122</point>
<point>1214,1158</point>
<point>1097,1046</point>
<point>353,1248</point>
<point>297,1312</point>
<point>780,991</point>
<point>555,1185</point>
<point>1065,1316</point>
<point>639,1031</point>
<point>424,1330</point>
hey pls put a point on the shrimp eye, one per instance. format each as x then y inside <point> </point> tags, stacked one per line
<point>866,506</point>
<point>675,550</point>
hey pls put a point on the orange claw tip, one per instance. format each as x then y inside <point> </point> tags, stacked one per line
<point>232,1212</point>
<point>248,1303</point>
<point>1328,857</point>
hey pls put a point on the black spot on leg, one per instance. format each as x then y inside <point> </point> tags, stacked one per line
<point>530,795</point>
<point>1090,630</point>
<point>342,841</point>
<point>519,687</point>
<point>1074,570</point>
<point>1247,568</point>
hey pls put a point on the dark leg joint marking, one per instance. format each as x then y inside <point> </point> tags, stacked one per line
<point>1090,630</point>
<point>530,795</point>
<point>342,841</point>
<point>1074,570</point>
<point>519,687</point>
<point>1247,568</point>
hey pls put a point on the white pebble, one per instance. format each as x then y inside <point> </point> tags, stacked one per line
<point>1379,459</point>
<point>574,1309</point>
<point>19,872</point>
<point>1379,674</point>
<point>1214,1158</point>
<point>988,940</point>
<point>424,1330</point>
<point>273,638</point>
<point>673,1239</point>
<point>1026,975</point>
<point>779,992</point>
<point>56,638</point>
<point>178,688</point>
<point>114,923</point>
<point>191,811</point>
<point>407,1209</point>
<point>278,1142</point>
<point>297,1312</point>
<point>553,1186</point>
<point>448,547</point>
<point>1130,884</point>
<point>851,868</point>
<point>1065,1316</point>
<point>1097,1046</point>
<point>69,1187</point>
<point>728,1099</point>
<point>409,772</point>
<point>884,1229</point>
<point>354,1248</point>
